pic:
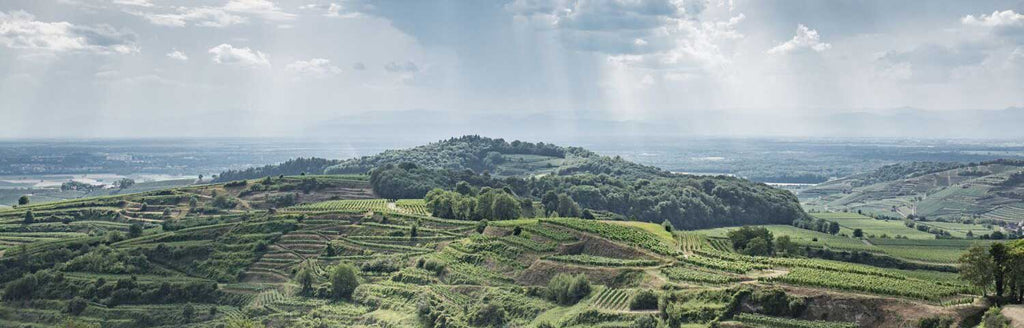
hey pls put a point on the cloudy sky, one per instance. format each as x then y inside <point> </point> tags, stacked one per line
<point>144,68</point>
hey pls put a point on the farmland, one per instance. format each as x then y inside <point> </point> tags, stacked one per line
<point>246,260</point>
<point>329,250</point>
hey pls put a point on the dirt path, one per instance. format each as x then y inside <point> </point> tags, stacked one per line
<point>1016,315</point>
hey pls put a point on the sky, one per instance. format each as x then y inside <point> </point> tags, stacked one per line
<point>155,68</point>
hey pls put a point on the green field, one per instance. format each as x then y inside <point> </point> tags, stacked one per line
<point>803,237</point>
<point>237,258</point>
<point>891,228</point>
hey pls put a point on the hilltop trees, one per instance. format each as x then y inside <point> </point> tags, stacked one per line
<point>494,204</point>
<point>23,200</point>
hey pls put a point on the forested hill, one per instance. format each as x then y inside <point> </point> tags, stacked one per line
<point>476,153</point>
<point>618,187</point>
<point>296,166</point>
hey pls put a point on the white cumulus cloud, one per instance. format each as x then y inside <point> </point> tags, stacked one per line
<point>177,55</point>
<point>262,8</point>
<point>21,30</point>
<point>316,67</point>
<point>242,57</point>
<point>232,13</point>
<point>140,3</point>
<point>805,38</point>
<point>200,16</point>
<point>996,19</point>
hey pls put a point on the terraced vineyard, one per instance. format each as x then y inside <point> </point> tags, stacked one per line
<point>351,206</point>
<point>246,261</point>
<point>612,299</point>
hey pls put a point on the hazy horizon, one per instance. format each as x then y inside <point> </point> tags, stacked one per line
<point>258,68</point>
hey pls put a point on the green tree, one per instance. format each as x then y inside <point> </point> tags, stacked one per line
<point>343,281</point>
<point>29,217</point>
<point>77,305</point>
<point>758,246</point>
<point>464,188</point>
<point>550,202</point>
<point>858,233</point>
<point>188,312</point>
<point>23,200</point>
<point>567,207</point>
<point>785,245</point>
<point>566,289</point>
<point>742,239</point>
<point>305,279</point>
<point>135,230</point>
<point>485,204</point>
<point>977,267</point>
<point>999,254</point>
<point>505,207</point>
<point>833,227</point>
<point>329,251</point>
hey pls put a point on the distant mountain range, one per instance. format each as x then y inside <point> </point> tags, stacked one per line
<point>892,123</point>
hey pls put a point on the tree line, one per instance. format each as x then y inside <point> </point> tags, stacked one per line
<point>998,267</point>
<point>687,202</point>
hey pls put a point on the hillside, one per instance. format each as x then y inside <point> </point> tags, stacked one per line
<point>625,189</point>
<point>988,191</point>
<point>276,252</point>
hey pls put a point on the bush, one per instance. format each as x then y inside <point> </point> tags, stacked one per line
<point>644,300</point>
<point>646,322</point>
<point>993,318</point>
<point>381,265</point>
<point>434,265</point>
<point>77,305</point>
<point>566,289</point>
<point>188,312</point>
<point>343,281</point>
<point>487,315</point>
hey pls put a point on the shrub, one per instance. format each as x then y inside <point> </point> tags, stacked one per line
<point>480,226</point>
<point>381,265</point>
<point>343,281</point>
<point>644,300</point>
<point>487,315</point>
<point>993,318</point>
<point>188,312</point>
<point>646,322</point>
<point>566,289</point>
<point>305,279</point>
<point>77,305</point>
<point>433,265</point>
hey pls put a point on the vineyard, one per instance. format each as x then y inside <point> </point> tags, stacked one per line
<point>350,206</point>
<point>245,263</point>
<point>612,299</point>
<point>868,283</point>
<point>758,320</point>
<point>584,259</point>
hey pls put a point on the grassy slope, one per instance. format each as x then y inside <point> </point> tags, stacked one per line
<point>476,267</point>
